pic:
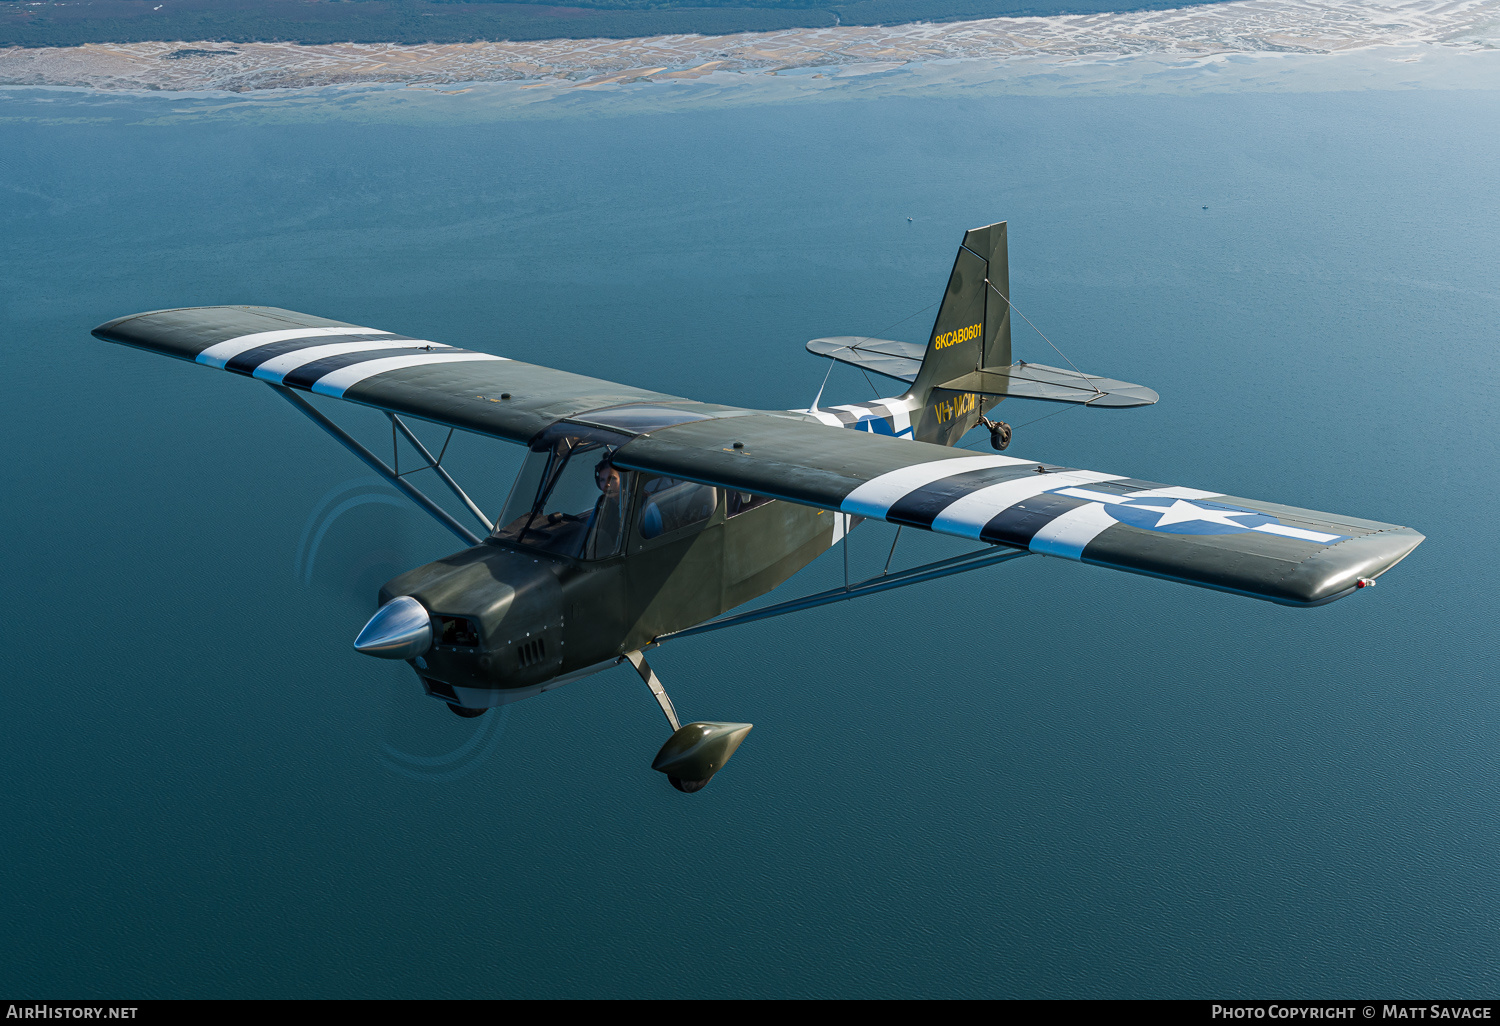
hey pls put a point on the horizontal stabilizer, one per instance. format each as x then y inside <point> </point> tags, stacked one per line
<point>899,360</point>
<point>1051,384</point>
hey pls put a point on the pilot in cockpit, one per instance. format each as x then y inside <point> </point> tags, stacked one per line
<point>609,518</point>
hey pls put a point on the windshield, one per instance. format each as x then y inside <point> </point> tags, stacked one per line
<point>569,499</point>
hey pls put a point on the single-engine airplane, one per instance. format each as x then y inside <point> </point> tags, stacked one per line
<point>639,517</point>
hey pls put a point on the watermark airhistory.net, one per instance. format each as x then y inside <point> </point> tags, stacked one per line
<point>69,1012</point>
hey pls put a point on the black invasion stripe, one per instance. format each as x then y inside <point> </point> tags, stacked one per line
<point>304,376</point>
<point>845,417</point>
<point>921,507</point>
<point>250,359</point>
<point>1017,524</point>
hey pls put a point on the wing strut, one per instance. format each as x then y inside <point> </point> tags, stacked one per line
<point>883,582</point>
<point>376,464</point>
<point>437,465</point>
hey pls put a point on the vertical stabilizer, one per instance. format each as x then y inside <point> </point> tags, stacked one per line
<point>972,330</point>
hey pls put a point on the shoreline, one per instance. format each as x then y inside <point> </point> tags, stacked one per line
<point>1190,34</point>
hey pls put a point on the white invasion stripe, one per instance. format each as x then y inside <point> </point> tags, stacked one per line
<point>220,353</point>
<point>1173,493</point>
<point>279,367</point>
<point>967,516</point>
<point>877,495</point>
<point>900,417</point>
<point>840,527</point>
<point>897,410</point>
<point>1296,532</point>
<point>1069,534</point>
<point>336,383</point>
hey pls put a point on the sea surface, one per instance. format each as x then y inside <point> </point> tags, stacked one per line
<point>1039,780</point>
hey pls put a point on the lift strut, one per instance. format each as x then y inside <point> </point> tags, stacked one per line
<point>376,464</point>
<point>883,582</point>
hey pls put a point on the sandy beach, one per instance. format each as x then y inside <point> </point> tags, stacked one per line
<point>1193,33</point>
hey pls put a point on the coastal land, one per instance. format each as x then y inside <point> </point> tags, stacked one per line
<point>1186,34</point>
<point>74,22</point>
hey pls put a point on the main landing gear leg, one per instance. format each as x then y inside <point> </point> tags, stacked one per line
<point>654,683</point>
<point>694,753</point>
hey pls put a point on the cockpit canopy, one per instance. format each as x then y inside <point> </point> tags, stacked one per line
<point>569,498</point>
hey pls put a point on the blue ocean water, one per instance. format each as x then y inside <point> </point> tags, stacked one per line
<point>1040,780</point>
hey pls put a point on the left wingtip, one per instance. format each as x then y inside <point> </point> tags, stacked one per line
<point>1348,566</point>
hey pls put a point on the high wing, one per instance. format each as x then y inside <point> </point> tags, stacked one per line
<point>1280,553</point>
<point>1264,550</point>
<point>461,388</point>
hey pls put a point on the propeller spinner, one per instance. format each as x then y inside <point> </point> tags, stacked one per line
<point>400,629</point>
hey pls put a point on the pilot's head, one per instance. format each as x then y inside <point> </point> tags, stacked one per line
<point>607,478</point>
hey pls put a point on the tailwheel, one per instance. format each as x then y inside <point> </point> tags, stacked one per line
<point>465,711</point>
<point>1000,433</point>
<point>687,786</point>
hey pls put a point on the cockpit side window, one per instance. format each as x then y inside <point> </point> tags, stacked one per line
<point>569,499</point>
<point>668,504</point>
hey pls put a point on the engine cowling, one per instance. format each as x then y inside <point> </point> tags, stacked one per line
<point>494,619</point>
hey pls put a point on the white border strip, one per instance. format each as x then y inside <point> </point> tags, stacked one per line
<point>1296,532</point>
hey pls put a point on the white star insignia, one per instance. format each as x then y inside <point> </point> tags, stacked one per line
<point>1181,512</point>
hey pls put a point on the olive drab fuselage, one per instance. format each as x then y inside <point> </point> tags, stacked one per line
<point>510,619</point>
